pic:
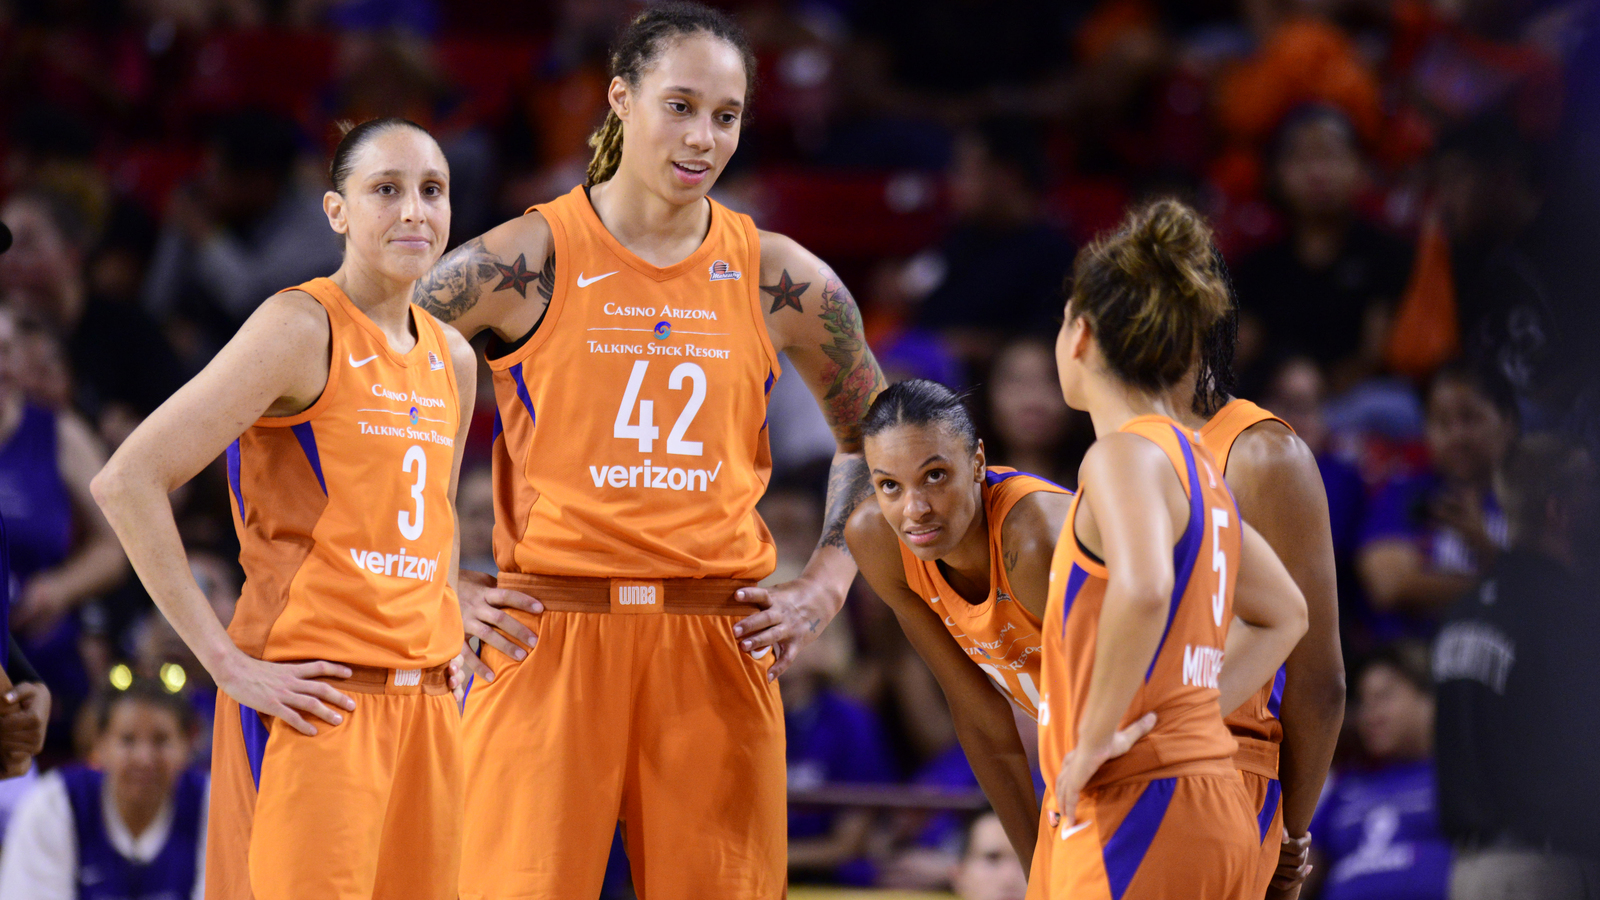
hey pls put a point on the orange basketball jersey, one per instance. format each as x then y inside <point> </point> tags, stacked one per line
<point>631,436</point>
<point>1256,722</point>
<point>343,511</point>
<point>1180,685</point>
<point>998,634</point>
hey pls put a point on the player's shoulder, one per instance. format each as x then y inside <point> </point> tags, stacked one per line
<point>293,316</point>
<point>1269,451</point>
<point>874,544</point>
<point>1035,522</point>
<point>780,253</point>
<point>529,234</point>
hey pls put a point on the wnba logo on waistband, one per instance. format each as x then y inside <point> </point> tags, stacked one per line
<point>637,595</point>
<point>721,272</point>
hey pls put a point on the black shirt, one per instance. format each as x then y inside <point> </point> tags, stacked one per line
<point>1319,312</point>
<point>1518,726</point>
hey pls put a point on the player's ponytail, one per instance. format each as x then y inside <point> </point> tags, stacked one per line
<point>919,401</point>
<point>1152,290</point>
<point>638,48</point>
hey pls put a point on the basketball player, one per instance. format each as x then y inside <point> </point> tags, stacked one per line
<point>638,327</point>
<point>1274,478</point>
<point>961,552</point>
<point>1142,592</point>
<point>342,410</point>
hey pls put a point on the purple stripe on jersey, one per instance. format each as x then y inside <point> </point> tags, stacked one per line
<point>1275,702</point>
<point>1269,806</point>
<point>255,740</point>
<point>771,377</point>
<point>522,392</point>
<point>308,443</point>
<point>994,478</point>
<point>499,426</point>
<point>233,475</point>
<point>1076,576</point>
<point>1125,851</point>
<point>1188,549</point>
<point>466,692</point>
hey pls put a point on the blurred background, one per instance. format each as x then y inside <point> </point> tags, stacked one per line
<point>1404,191</point>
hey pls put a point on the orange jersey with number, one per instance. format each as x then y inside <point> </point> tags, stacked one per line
<point>1180,683</point>
<point>343,511</point>
<point>1257,719</point>
<point>999,635</point>
<point>631,432</point>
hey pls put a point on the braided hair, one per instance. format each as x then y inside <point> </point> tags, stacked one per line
<point>637,50</point>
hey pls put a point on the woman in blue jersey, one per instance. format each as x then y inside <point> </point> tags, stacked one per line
<point>132,826</point>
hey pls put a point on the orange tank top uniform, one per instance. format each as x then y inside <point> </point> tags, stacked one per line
<point>998,634</point>
<point>343,511</point>
<point>630,429</point>
<point>1255,723</point>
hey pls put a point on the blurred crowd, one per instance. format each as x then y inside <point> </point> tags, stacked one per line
<point>1401,191</point>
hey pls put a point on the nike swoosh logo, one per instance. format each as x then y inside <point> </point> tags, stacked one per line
<point>585,282</point>
<point>1069,832</point>
<point>356,364</point>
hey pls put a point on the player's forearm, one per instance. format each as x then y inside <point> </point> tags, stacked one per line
<point>141,515</point>
<point>96,567</point>
<point>831,564</point>
<point>1000,762</point>
<point>1252,658</point>
<point>1312,712</point>
<point>1131,623</point>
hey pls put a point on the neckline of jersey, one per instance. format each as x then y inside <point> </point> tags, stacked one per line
<point>365,323</point>
<point>633,260</point>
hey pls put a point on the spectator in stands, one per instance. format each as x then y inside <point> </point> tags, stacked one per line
<point>243,229</point>
<point>1000,270</point>
<point>1030,427</point>
<point>62,550</point>
<point>1376,835</point>
<point>118,355</point>
<point>989,868</point>
<point>1326,289</point>
<point>132,826</point>
<point>833,739</point>
<point>1515,667</point>
<point>1427,538</point>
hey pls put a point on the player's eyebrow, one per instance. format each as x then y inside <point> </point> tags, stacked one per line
<point>937,457</point>
<point>691,92</point>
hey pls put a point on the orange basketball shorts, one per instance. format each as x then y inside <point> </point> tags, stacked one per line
<point>369,808</point>
<point>1190,836</point>
<point>1266,800</point>
<point>659,721</point>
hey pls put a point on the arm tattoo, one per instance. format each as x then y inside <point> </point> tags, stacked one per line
<point>786,292</point>
<point>848,484</point>
<point>1011,557</point>
<point>547,280</point>
<point>458,281</point>
<point>516,276</point>
<point>853,375</point>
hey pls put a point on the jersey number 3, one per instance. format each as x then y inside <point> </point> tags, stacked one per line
<point>646,432</point>
<point>411,523</point>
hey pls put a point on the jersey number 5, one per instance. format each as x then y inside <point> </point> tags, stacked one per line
<point>1219,564</point>
<point>646,431</point>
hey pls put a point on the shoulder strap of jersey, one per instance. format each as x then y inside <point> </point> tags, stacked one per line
<point>1234,419</point>
<point>1006,488</point>
<point>325,292</point>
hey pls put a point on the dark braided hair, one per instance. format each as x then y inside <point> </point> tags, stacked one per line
<point>639,47</point>
<point>920,402</point>
<point>1216,382</point>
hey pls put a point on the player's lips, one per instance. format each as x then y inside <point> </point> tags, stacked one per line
<point>923,535</point>
<point>691,171</point>
<point>413,243</point>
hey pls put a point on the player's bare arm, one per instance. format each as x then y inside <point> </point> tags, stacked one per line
<point>813,319</point>
<point>502,280</point>
<point>464,365</point>
<point>1028,544</point>
<point>1279,489</point>
<point>982,716</point>
<point>276,365</point>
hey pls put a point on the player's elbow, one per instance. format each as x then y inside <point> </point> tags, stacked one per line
<point>109,486</point>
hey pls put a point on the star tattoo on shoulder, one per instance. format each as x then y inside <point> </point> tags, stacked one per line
<point>786,292</point>
<point>516,276</point>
